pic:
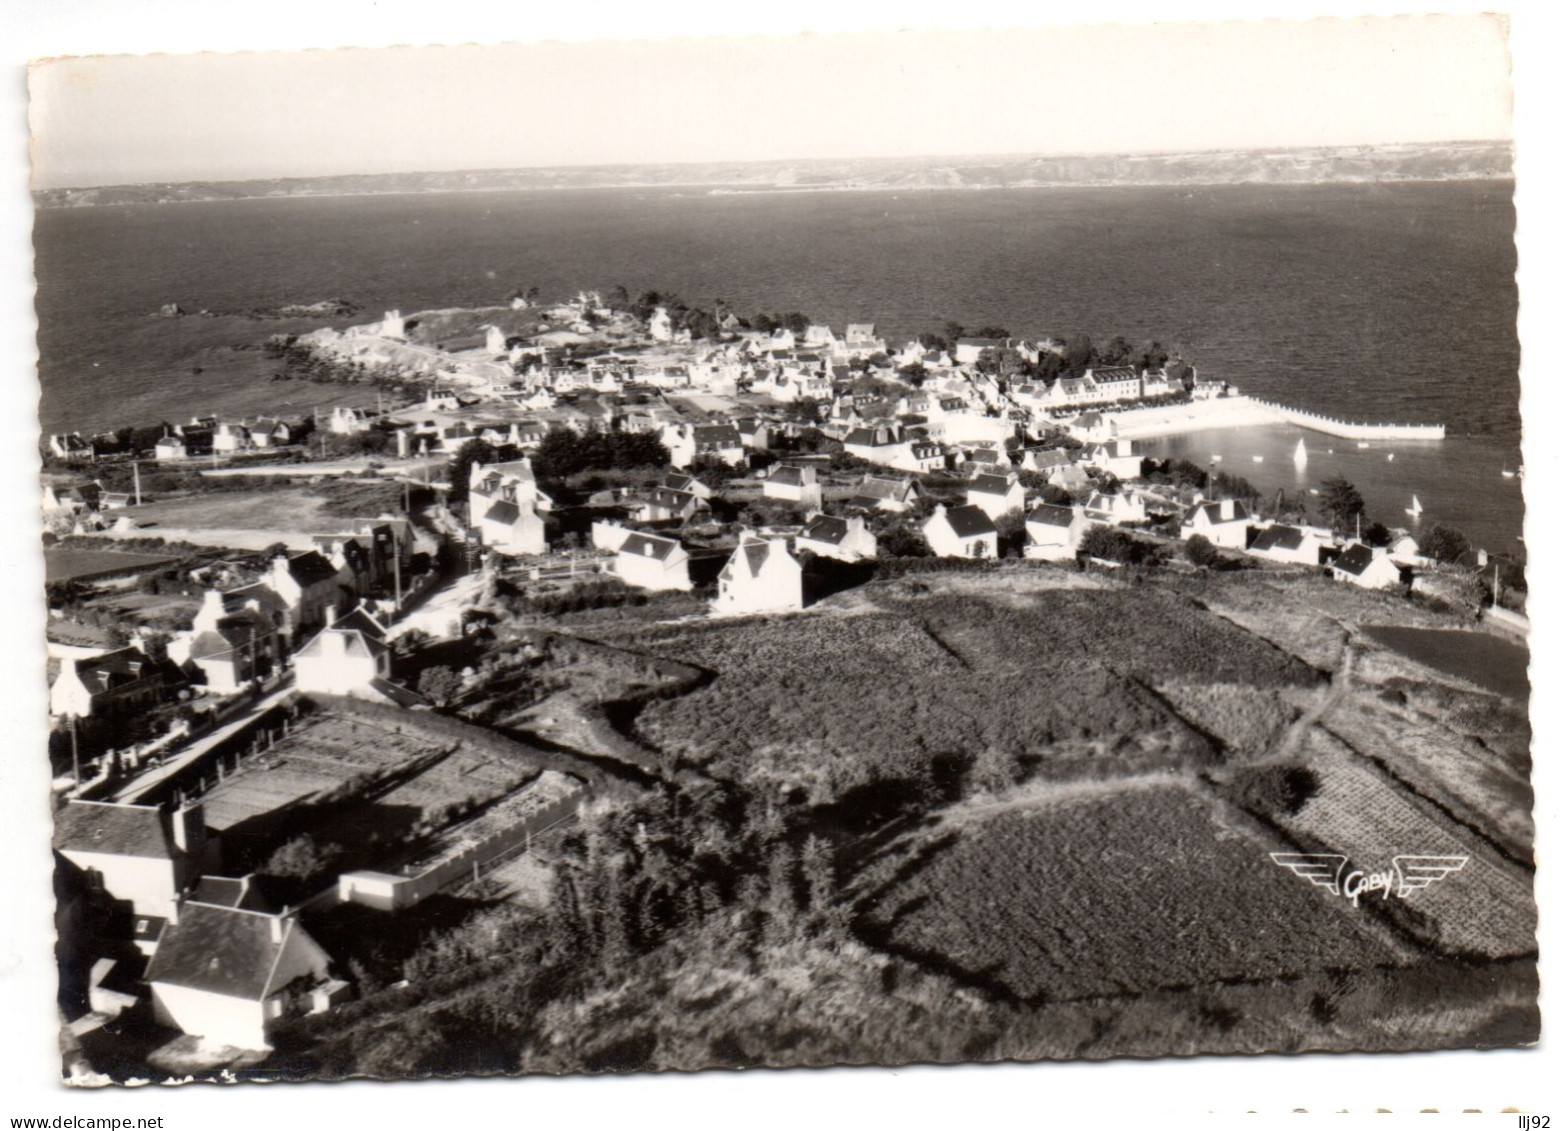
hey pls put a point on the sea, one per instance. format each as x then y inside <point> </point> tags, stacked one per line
<point>1374,303</point>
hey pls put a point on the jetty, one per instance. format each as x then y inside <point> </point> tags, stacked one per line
<point>1351,431</point>
<point>1152,420</point>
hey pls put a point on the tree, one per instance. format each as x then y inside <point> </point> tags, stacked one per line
<point>953,331</point>
<point>439,684</point>
<point>992,332</point>
<point>1444,543</point>
<point>472,451</point>
<point>1117,351</point>
<point>1377,535</point>
<point>1339,502</point>
<point>1201,552</point>
<point>1151,357</point>
<point>1078,355</point>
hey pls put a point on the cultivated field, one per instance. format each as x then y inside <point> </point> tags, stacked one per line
<point>1122,890</point>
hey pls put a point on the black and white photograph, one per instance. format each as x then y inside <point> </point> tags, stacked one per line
<point>874,548</point>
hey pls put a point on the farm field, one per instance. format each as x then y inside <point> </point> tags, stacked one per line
<point>1125,890</point>
<point>64,563</point>
<point>324,754</point>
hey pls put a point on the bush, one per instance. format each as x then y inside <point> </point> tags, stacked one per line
<point>1201,552</point>
<point>1274,791</point>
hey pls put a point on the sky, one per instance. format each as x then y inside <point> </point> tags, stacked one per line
<point>130,119</point>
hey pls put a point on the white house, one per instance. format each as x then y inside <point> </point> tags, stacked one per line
<point>1054,533</point>
<point>347,657</point>
<point>145,855</point>
<point>512,528</point>
<point>1115,508</point>
<point>1118,457</point>
<point>123,681</point>
<point>227,974</point>
<point>883,493</point>
<point>760,577</point>
<point>170,448</point>
<point>1296,545</point>
<point>230,438</point>
<point>678,481</point>
<point>719,441</point>
<point>661,325</point>
<point>1224,523</point>
<point>847,539</point>
<point>1369,567</point>
<point>647,561</point>
<point>795,485</point>
<point>678,439</point>
<point>960,532</point>
<point>997,495</point>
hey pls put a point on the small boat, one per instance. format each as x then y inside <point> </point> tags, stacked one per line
<point>1416,510</point>
<point>1507,473</point>
<point>1314,491</point>
<point>1329,451</point>
<point>1216,459</point>
<point>1391,456</point>
<point>1364,444</point>
<point>1256,459</point>
<point>1300,454</point>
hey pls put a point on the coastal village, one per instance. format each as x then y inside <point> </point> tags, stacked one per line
<point>306,677</point>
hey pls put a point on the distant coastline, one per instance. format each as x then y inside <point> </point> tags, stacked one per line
<point>1395,164</point>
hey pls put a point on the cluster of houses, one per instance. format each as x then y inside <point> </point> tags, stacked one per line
<point>304,606</point>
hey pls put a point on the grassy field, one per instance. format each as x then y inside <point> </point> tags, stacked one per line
<point>255,519</point>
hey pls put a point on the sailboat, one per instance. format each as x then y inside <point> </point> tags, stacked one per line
<point>1507,473</point>
<point>1256,459</point>
<point>1416,510</point>
<point>1300,456</point>
<point>1391,456</point>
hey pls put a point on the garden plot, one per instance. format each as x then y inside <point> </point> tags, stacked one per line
<point>1485,910</point>
<point>1123,890</point>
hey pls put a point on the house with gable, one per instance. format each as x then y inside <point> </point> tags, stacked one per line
<point>678,481</point>
<point>885,493</point>
<point>795,484</point>
<point>1054,533</point>
<point>1293,545</point>
<point>350,657</point>
<point>121,682</point>
<point>1115,508</point>
<point>960,532</point>
<point>232,643</point>
<point>761,576</point>
<point>311,589</point>
<point>1369,567</point>
<point>719,442</point>
<point>1225,522</point>
<point>228,974</point>
<point>844,538</point>
<point>996,495</point>
<point>648,561</point>
<point>1118,457</point>
<point>147,856</point>
<point>663,504</point>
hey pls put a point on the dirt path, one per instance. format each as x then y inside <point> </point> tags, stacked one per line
<point>1342,683</point>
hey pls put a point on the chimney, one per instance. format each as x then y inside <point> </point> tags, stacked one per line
<point>1226,509</point>
<point>189,828</point>
<point>939,511</point>
<point>330,614</point>
<point>278,928</point>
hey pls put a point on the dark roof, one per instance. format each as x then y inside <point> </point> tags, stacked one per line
<point>502,511</point>
<point>648,546</point>
<point>243,892</point>
<point>1049,514</point>
<point>1278,537</point>
<point>969,521</point>
<point>1115,373</point>
<point>826,528</point>
<point>1214,509</point>
<point>115,669</point>
<point>310,568</point>
<point>724,435</point>
<point>1051,457</point>
<point>123,830</point>
<point>670,497</point>
<point>220,950</point>
<point>984,343</point>
<point>788,475</point>
<point>991,485</point>
<point>1355,560</point>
